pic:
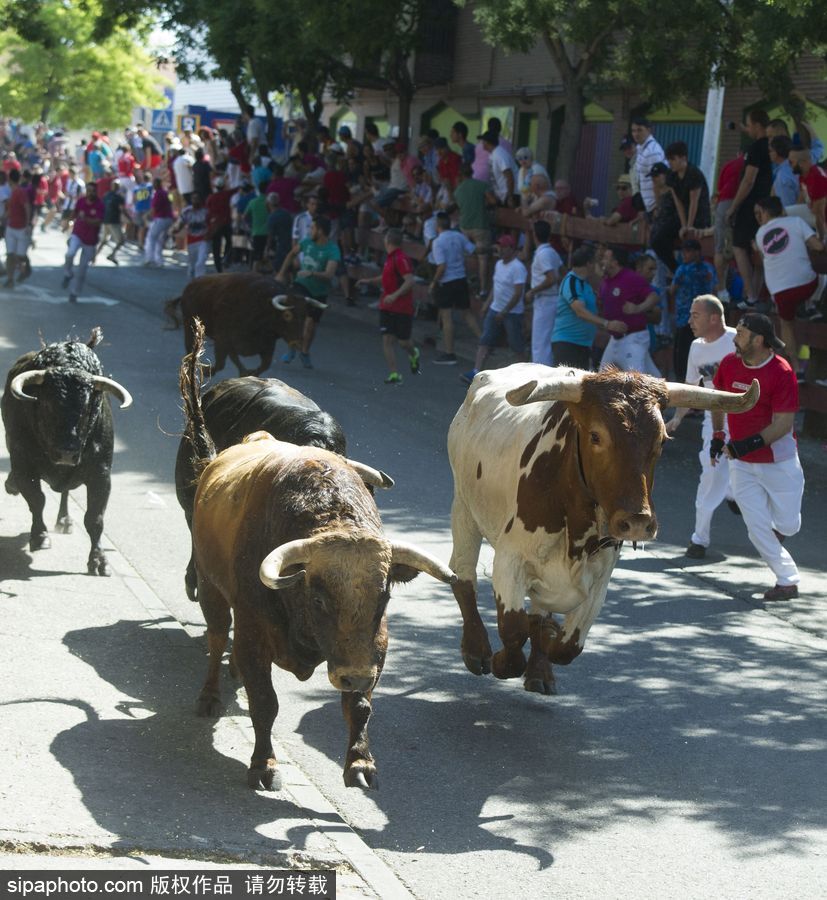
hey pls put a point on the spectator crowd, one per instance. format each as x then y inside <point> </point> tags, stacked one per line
<point>476,221</point>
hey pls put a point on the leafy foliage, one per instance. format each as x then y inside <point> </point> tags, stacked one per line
<point>55,70</point>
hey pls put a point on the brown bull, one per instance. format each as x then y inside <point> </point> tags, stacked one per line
<point>288,541</point>
<point>244,313</point>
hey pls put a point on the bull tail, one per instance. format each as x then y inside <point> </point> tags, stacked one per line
<point>189,381</point>
<point>171,312</point>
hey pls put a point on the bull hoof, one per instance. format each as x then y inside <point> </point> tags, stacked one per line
<point>363,777</point>
<point>208,706</point>
<point>40,541</point>
<point>538,686</point>
<point>266,778</point>
<point>477,666</point>
<point>97,565</point>
<point>509,664</point>
<point>64,525</point>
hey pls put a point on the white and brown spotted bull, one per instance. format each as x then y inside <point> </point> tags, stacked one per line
<point>555,469</point>
<point>288,541</point>
<point>244,313</point>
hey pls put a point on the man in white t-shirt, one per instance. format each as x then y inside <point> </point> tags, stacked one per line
<point>253,132</point>
<point>304,220</point>
<point>784,242</point>
<point>504,307</point>
<point>713,341</point>
<point>545,278</point>
<point>503,169</point>
<point>182,168</point>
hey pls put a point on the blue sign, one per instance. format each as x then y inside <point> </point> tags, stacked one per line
<point>169,95</point>
<point>161,120</point>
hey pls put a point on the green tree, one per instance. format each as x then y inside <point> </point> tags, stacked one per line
<point>54,69</point>
<point>599,44</point>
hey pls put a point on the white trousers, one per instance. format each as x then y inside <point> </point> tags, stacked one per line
<point>629,353</point>
<point>542,324</point>
<point>87,254</point>
<point>155,238</point>
<point>197,254</point>
<point>713,488</point>
<point>769,495</point>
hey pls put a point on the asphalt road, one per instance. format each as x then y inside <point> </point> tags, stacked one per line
<point>684,754</point>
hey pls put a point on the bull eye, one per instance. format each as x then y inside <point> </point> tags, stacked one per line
<point>594,438</point>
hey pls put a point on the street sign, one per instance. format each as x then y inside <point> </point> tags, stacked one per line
<point>161,120</point>
<point>189,122</point>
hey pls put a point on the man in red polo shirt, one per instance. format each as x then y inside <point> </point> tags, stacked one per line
<point>814,180</point>
<point>18,227</point>
<point>764,471</point>
<point>84,237</point>
<point>396,305</point>
<point>448,164</point>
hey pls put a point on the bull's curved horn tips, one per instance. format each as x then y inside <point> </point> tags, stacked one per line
<point>387,481</point>
<point>518,396</point>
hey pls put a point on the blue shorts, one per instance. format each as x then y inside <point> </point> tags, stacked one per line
<point>492,329</point>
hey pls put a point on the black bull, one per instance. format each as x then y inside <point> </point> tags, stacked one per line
<point>238,407</point>
<point>244,313</point>
<point>59,430</point>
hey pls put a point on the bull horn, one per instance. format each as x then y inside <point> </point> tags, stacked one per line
<point>566,385</point>
<point>689,395</point>
<point>314,302</point>
<point>34,376</point>
<point>278,302</point>
<point>408,555</point>
<point>112,387</point>
<point>293,553</point>
<point>371,476</point>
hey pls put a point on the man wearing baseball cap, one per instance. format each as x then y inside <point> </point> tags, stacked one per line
<point>765,474</point>
<point>504,307</point>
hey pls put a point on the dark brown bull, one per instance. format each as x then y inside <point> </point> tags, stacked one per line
<point>287,540</point>
<point>244,313</point>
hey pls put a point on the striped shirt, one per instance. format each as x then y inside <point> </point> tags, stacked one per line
<point>648,153</point>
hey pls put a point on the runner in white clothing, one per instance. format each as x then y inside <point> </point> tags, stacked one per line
<point>713,341</point>
<point>543,295</point>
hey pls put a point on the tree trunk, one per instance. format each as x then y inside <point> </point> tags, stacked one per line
<point>570,133</point>
<point>404,116</point>
<point>238,93</point>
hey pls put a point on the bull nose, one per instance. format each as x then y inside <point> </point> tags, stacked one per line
<point>627,526</point>
<point>352,681</point>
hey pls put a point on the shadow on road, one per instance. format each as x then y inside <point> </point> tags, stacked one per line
<point>675,708</point>
<point>154,778</point>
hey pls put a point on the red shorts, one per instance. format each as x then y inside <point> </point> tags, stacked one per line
<point>788,300</point>
<point>155,161</point>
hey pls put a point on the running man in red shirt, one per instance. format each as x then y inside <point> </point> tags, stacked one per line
<point>764,471</point>
<point>396,305</point>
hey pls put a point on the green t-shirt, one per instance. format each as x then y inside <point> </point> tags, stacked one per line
<point>314,257</point>
<point>256,214</point>
<point>470,198</point>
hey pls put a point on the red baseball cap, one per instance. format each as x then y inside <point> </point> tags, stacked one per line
<point>506,240</point>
